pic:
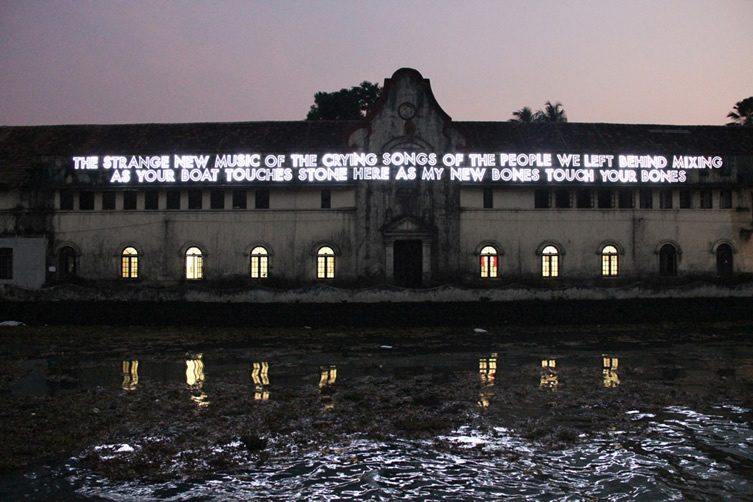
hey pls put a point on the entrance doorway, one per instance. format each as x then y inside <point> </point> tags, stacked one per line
<point>408,263</point>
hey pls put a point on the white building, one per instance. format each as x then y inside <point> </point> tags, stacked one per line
<point>405,197</point>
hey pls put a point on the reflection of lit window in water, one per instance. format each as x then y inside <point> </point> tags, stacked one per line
<point>548,374</point>
<point>195,380</point>
<point>260,377</point>
<point>327,379</point>
<point>130,371</point>
<point>611,377</point>
<point>487,370</point>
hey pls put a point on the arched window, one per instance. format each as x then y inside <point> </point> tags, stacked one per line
<point>724,260</point>
<point>67,266</point>
<point>609,261</point>
<point>550,262</point>
<point>325,263</point>
<point>259,263</point>
<point>129,263</point>
<point>489,263</point>
<point>194,264</point>
<point>668,260</point>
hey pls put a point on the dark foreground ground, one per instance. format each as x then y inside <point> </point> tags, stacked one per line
<point>388,386</point>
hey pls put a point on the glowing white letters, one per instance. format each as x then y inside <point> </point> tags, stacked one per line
<point>399,166</point>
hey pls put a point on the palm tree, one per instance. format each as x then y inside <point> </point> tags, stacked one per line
<point>525,114</point>
<point>742,113</point>
<point>552,113</point>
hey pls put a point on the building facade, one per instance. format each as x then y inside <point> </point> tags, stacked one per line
<point>406,197</point>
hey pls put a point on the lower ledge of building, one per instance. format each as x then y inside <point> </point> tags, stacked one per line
<point>383,306</point>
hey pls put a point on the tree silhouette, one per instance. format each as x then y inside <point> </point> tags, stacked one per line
<point>345,104</point>
<point>525,114</point>
<point>742,113</point>
<point>550,113</point>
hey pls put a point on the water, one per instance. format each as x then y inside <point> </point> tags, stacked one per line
<point>685,454</point>
<point>523,421</point>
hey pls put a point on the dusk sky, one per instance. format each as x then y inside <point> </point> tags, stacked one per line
<point>79,61</point>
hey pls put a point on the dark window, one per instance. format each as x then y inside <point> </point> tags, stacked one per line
<point>86,200</point>
<point>585,199</point>
<point>724,260</point>
<point>706,201</point>
<point>66,200</point>
<point>261,199</point>
<point>217,199</point>
<point>173,199</point>
<point>239,199</point>
<point>194,199</point>
<point>129,200</point>
<point>66,263</point>
<point>625,199</point>
<point>725,199</point>
<point>647,199</point>
<point>541,199</point>
<point>604,199</point>
<point>686,199</point>
<point>488,198</point>
<point>151,200</point>
<point>668,260</point>
<point>326,199</point>
<point>108,201</point>
<point>562,198</point>
<point>665,199</point>
<point>6,263</point>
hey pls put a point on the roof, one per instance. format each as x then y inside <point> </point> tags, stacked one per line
<point>23,149</point>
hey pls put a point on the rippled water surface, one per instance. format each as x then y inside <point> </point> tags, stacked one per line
<point>518,420</point>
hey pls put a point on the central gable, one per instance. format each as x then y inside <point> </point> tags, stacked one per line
<point>407,117</point>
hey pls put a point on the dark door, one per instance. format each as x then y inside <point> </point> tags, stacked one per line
<point>408,265</point>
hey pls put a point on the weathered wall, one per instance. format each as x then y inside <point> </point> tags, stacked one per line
<point>29,259</point>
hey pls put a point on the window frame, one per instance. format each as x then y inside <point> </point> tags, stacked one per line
<point>196,264</point>
<point>325,263</point>
<point>259,263</point>
<point>550,261</point>
<point>129,263</point>
<point>610,260</point>
<point>489,262</point>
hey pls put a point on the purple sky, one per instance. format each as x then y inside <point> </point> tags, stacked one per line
<point>109,61</point>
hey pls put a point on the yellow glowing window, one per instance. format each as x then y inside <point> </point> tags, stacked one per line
<point>609,262</point>
<point>259,263</point>
<point>194,264</point>
<point>325,263</point>
<point>129,263</point>
<point>550,262</point>
<point>489,263</point>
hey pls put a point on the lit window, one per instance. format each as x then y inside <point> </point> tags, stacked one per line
<point>129,263</point>
<point>489,262</point>
<point>550,262</point>
<point>194,264</point>
<point>259,263</point>
<point>609,262</point>
<point>325,263</point>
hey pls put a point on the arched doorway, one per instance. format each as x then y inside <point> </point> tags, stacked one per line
<point>668,261</point>
<point>724,264</point>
